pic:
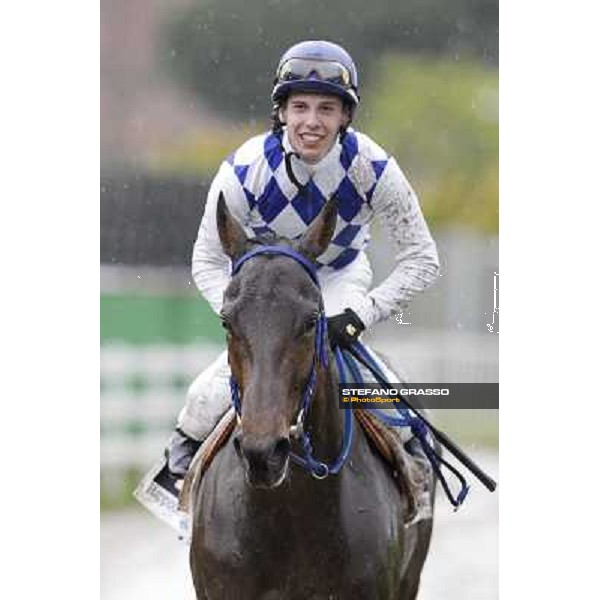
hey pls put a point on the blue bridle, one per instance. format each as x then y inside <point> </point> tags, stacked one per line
<point>318,469</point>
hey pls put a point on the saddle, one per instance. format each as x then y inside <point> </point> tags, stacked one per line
<point>407,473</point>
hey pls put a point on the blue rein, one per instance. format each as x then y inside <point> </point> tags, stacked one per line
<point>348,371</point>
<point>408,418</point>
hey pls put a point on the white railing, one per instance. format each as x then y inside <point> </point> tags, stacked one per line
<point>440,356</point>
<point>143,388</point>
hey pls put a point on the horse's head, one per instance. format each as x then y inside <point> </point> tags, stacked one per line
<point>270,311</point>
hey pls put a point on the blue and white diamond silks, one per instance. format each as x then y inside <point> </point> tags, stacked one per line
<point>276,205</point>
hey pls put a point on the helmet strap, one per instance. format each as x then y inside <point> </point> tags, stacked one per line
<point>276,123</point>
<point>344,128</point>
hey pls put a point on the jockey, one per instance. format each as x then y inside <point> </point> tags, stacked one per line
<point>277,183</point>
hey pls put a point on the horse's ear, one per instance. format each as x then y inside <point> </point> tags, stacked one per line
<point>232,236</point>
<point>317,237</point>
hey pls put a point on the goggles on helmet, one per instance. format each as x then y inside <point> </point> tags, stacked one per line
<point>296,69</point>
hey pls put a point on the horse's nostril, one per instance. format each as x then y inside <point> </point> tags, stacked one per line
<point>263,453</point>
<point>282,448</point>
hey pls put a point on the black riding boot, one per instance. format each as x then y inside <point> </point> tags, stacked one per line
<point>179,453</point>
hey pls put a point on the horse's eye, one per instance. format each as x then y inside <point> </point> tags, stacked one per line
<point>225,324</point>
<point>308,326</point>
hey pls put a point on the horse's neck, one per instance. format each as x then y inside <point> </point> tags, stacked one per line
<point>326,420</point>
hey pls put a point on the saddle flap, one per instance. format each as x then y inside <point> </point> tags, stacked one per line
<point>203,458</point>
<point>405,471</point>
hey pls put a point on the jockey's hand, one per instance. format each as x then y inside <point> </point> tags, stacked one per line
<point>343,329</point>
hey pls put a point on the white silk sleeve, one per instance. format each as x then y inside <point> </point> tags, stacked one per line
<point>397,207</point>
<point>211,267</point>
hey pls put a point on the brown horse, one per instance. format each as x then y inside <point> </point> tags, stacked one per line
<point>263,529</point>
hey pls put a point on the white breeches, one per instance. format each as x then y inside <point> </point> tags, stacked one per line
<point>209,397</point>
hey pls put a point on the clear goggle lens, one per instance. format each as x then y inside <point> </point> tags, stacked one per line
<point>321,70</point>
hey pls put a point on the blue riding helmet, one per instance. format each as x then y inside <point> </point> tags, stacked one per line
<point>316,66</point>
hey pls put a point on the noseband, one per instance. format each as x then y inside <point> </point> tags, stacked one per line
<point>317,469</point>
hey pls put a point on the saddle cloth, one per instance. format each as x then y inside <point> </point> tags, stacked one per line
<point>407,473</point>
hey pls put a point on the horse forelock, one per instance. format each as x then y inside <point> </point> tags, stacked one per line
<point>268,238</point>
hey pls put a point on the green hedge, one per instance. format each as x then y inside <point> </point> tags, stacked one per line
<point>158,319</point>
<point>439,118</point>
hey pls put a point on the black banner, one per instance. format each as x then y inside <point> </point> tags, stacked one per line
<point>419,395</point>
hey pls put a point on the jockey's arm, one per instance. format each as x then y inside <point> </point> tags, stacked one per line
<point>210,265</point>
<point>397,207</point>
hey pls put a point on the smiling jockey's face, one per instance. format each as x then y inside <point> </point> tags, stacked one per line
<point>313,123</point>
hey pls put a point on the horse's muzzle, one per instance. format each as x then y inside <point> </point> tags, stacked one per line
<point>265,459</point>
